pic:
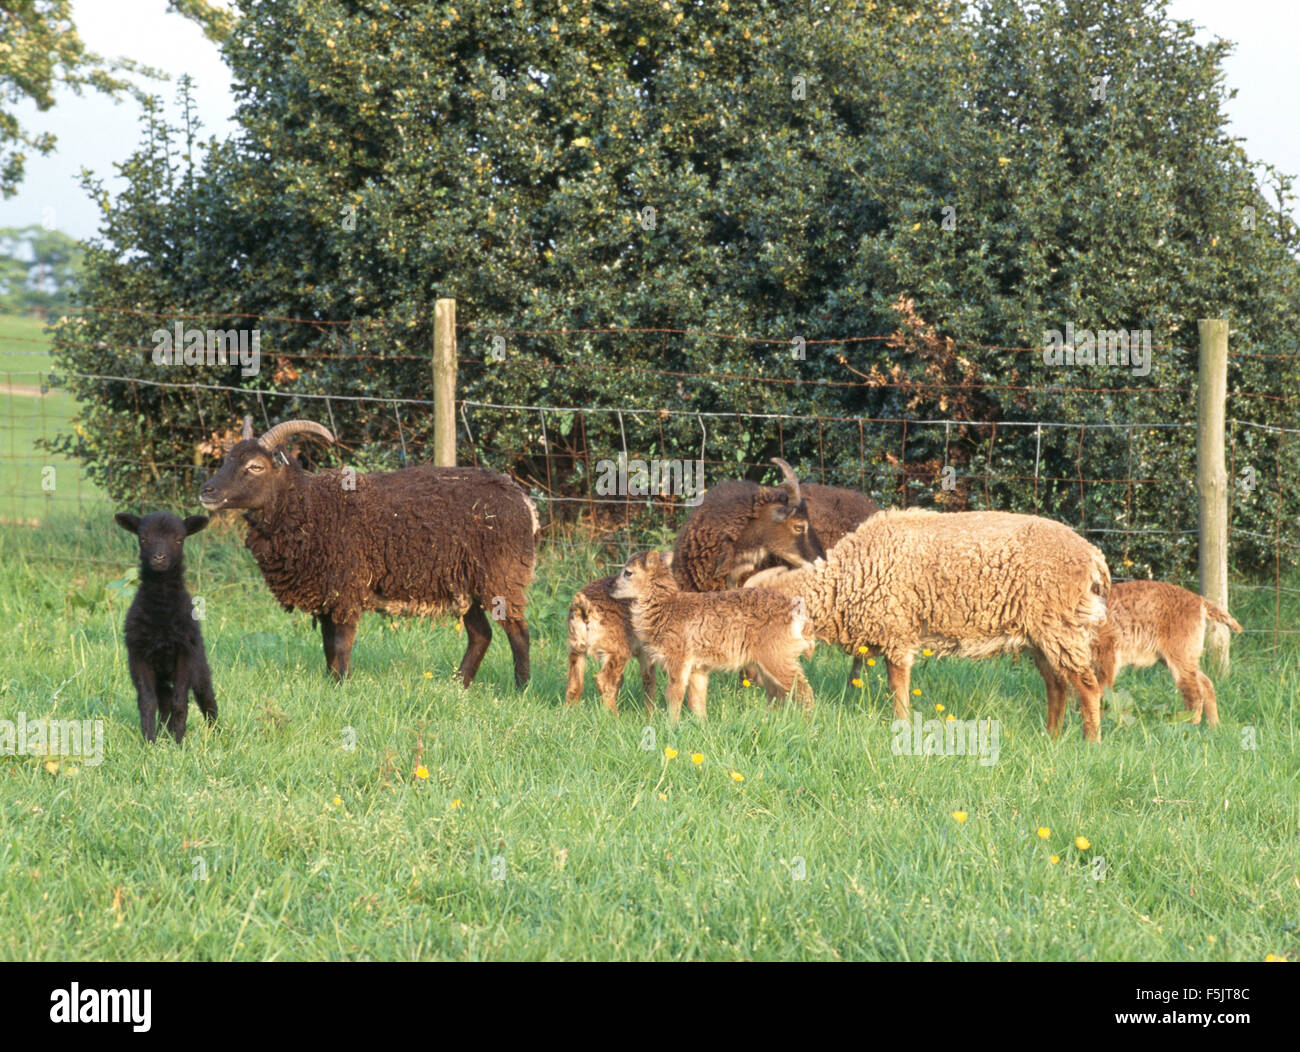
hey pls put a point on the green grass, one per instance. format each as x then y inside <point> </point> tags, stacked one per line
<point>231,846</point>
<point>27,416</point>
<point>607,849</point>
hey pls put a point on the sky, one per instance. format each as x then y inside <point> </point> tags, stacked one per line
<point>94,132</point>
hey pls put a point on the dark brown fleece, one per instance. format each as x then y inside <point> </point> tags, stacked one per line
<point>414,541</point>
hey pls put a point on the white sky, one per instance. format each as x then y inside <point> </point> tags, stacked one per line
<point>94,132</point>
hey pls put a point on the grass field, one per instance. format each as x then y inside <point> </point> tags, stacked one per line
<point>299,828</point>
<point>27,415</point>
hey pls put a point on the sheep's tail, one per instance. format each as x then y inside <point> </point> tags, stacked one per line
<point>579,618</point>
<point>1216,613</point>
<point>528,503</point>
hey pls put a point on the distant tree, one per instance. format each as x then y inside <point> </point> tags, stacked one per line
<point>38,267</point>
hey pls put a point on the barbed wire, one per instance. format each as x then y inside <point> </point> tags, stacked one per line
<point>897,472</point>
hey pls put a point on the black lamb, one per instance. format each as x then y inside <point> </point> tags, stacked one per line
<point>164,646</point>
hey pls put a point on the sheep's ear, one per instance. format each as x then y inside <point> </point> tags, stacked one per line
<point>130,523</point>
<point>194,523</point>
<point>652,561</point>
<point>666,560</point>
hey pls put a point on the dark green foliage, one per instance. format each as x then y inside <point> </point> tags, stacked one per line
<point>505,154</point>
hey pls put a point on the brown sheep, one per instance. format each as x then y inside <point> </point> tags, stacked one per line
<point>694,633</point>
<point>834,512</point>
<point>971,584</point>
<point>737,528</point>
<point>416,541</point>
<point>600,627</point>
<point>1150,620</point>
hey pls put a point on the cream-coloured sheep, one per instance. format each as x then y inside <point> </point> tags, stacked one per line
<point>694,633</point>
<point>1150,620</point>
<point>968,584</point>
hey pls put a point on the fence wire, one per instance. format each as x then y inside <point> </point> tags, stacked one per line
<point>570,476</point>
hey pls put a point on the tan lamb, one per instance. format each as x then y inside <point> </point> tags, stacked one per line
<point>1148,621</point>
<point>695,633</point>
<point>969,584</point>
<point>600,627</point>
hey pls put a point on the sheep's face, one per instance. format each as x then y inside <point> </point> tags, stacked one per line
<point>643,573</point>
<point>247,479</point>
<point>782,529</point>
<point>162,537</point>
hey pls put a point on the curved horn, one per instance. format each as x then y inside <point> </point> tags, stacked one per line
<point>248,429</point>
<point>791,479</point>
<point>281,431</point>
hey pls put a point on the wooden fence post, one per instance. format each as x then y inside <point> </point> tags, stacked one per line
<point>1212,478</point>
<point>444,383</point>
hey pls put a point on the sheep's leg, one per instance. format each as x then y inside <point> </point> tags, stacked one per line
<point>327,639</point>
<point>163,689</point>
<point>146,698</point>
<point>577,675</point>
<point>678,674</point>
<point>855,671</point>
<point>1056,693</point>
<point>697,694</point>
<point>338,637</point>
<point>479,633</point>
<point>203,692</point>
<point>1085,685</point>
<point>648,684</point>
<point>180,699</point>
<point>1211,701</point>
<point>899,664</point>
<point>609,679</point>
<point>1105,662</point>
<point>517,633</point>
<point>1187,680</point>
<point>803,694</point>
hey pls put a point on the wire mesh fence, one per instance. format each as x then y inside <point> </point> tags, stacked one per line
<point>624,476</point>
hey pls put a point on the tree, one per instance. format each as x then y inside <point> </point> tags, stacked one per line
<point>38,267</point>
<point>935,177</point>
<point>40,52</point>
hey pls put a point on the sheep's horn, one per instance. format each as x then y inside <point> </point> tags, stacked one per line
<point>791,479</point>
<point>281,431</point>
<point>248,429</point>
